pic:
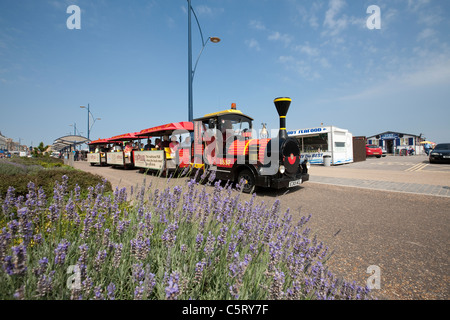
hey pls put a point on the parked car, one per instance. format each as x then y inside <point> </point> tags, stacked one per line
<point>440,153</point>
<point>373,151</point>
<point>383,150</point>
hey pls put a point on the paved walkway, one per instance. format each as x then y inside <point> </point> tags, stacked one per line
<point>427,189</point>
<point>395,174</point>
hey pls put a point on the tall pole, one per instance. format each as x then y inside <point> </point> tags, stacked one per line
<point>88,123</point>
<point>190,98</point>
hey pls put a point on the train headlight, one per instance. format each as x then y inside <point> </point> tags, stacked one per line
<point>282,169</point>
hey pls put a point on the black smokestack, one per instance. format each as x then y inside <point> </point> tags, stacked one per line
<point>282,105</point>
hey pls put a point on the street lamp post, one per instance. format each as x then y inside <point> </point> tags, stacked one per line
<point>191,71</point>
<point>88,119</point>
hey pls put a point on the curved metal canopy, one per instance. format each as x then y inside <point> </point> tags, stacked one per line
<point>68,141</point>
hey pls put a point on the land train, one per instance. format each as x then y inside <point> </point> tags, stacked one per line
<point>224,144</point>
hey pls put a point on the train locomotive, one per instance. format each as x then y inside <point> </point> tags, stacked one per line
<point>223,142</point>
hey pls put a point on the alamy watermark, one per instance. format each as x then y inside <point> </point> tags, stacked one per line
<point>372,22</point>
<point>74,280</point>
<point>374,281</point>
<point>74,21</point>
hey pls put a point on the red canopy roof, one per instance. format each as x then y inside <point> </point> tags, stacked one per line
<point>166,129</point>
<point>124,137</point>
<point>99,141</point>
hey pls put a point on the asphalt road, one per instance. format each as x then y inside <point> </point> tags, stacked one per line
<point>406,235</point>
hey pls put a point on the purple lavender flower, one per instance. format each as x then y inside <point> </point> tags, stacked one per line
<point>19,259</point>
<point>61,251</point>
<point>44,284</point>
<point>42,266</point>
<point>117,255</point>
<point>172,289</point>
<point>209,247</point>
<point>139,291</point>
<point>99,260</point>
<point>8,265</point>
<point>111,289</point>
<point>276,289</point>
<point>138,272</point>
<point>169,237</point>
<point>198,241</point>
<point>199,267</point>
<point>8,202</point>
<point>98,293</point>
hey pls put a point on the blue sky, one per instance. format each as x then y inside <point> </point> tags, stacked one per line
<point>129,62</point>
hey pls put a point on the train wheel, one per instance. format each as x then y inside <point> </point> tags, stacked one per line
<point>249,181</point>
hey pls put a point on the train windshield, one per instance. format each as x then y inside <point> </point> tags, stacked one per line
<point>237,123</point>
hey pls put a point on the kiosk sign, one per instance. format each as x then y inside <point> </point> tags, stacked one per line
<point>389,136</point>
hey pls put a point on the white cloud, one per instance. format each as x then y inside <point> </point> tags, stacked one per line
<point>415,5</point>
<point>424,76</point>
<point>426,34</point>
<point>276,36</point>
<point>301,67</point>
<point>203,10</point>
<point>308,50</point>
<point>253,44</point>
<point>334,24</point>
<point>257,25</point>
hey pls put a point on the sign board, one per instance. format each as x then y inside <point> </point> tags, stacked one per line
<point>93,157</point>
<point>308,131</point>
<point>115,158</point>
<point>389,136</point>
<point>149,159</point>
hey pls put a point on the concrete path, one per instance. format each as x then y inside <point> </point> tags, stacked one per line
<point>395,174</point>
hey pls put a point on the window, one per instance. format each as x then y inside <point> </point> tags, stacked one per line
<point>314,144</point>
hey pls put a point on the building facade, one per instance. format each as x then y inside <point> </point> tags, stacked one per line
<point>393,142</point>
<point>3,142</point>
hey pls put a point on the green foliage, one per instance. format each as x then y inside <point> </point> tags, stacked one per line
<point>19,172</point>
<point>39,151</point>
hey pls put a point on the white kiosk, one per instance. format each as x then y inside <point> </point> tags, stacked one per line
<point>323,141</point>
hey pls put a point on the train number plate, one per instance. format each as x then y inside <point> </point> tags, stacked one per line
<point>295,183</point>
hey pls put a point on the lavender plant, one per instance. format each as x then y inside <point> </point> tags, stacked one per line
<point>191,241</point>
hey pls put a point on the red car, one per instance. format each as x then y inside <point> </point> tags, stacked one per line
<point>373,151</point>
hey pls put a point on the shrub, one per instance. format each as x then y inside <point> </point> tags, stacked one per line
<point>46,178</point>
<point>172,243</point>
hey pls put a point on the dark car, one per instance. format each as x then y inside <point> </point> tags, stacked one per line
<point>440,153</point>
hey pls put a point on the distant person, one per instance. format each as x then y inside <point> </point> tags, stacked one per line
<point>128,147</point>
<point>158,143</point>
<point>165,143</point>
<point>174,146</point>
<point>149,145</point>
<point>427,148</point>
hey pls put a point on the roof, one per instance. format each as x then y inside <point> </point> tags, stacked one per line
<point>392,132</point>
<point>124,137</point>
<point>166,129</point>
<point>99,141</point>
<point>223,113</point>
<point>68,141</point>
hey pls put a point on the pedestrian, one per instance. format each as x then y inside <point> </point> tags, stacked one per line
<point>427,148</point>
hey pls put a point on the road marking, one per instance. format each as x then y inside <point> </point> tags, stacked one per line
<point>417,167</point>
